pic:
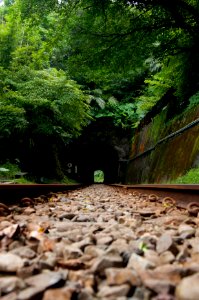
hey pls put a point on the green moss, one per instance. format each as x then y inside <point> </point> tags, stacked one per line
<point>157,126</point>
<point>191,177</point>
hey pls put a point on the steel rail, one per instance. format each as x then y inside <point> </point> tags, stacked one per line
<point>183,194</point>
<point>11,193</point>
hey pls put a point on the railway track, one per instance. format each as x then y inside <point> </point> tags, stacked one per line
<point>98,242</point>
<point>183,195</point>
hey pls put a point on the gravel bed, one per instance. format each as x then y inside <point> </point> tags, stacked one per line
<point>98,242</point>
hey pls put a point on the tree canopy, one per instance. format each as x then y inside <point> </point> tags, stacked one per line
<point>65,63</point>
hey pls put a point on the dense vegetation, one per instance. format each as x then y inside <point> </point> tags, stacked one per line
<point>65,63</point>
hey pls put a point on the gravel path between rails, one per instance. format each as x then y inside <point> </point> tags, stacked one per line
<point>99,242</point>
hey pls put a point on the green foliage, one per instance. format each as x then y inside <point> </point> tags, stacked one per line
<point>123,114</point>
<point>194,100</point>
<point>46,101</point>
<point>8,171</point>
<point>143,247</point>
<point>99,176</point>
<point>12,120</point>
<point>191,177</point>
<point>126,55</point>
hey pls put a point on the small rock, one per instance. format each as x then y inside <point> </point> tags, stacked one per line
<point>30,293</point>
<point>158,285</point>
<point>164,243</point>
<point>194,243</point>
<point>114,291</point>
<point>10,262</point>
<point>104,240</point>
<point>188,288</point>
<point>10,296</point>
<point>66,215</point>
<point>83,218</point>
<point>24,252</point>
<point>118,276</point>
<point>59,294</point>
<point>106,261</point>
<point>71,264</point>
<point>87,280</point>
<point>10,231</point>
<point>141,293</point>
<point>71,252</point>
<point>85,294</point>
<point>139,264</point>
<point>167,257</point>
<point>48,260</point>
<point>15,244</point>
<point>186,230</point>
<point>93,251</point>
<point>28,211</point>
<point>84,243</point>
<point>46,280</point>
<point>152,256</point>
<point>28,271</point>
<point>10,283</point>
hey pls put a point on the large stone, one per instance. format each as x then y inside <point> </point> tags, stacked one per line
<point>118,276</point>
<point>167,257</point>
<point>58,294</point>
<point>188,288</point>
<point>158,285</point>
<point>10,262</point>
<point>71,252</point>
<point>85,294</point>
<point>106,261</point>
<point>113,291</point>
<point>164,243</point>
<point>139,263</point>
<point>186,231</point>
<point>46,280</point>
<point>10,296</point>
<point>24,252</point>
<point>94,251</point>
<point>10,283</point>
<point>48,260</point>
<point>30,293</point>
<point>87,280</point>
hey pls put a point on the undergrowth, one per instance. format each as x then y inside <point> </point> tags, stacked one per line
<point>191,177</point>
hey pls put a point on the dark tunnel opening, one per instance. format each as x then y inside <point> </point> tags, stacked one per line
<point>103,147</point>
<point>98,157</point>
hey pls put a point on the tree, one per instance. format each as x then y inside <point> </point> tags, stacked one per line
<point>49,107</point>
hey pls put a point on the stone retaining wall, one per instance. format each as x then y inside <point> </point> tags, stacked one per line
<point>170,159</point>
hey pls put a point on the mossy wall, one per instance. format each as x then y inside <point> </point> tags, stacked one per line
<point>170,159</point>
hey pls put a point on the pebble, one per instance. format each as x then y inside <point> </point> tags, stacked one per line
<point>10,262</point>
<point>24,252</point>
<point>188,288</point>
<point>10,283</point>
<point>114,291</point>
<point>58,294</point>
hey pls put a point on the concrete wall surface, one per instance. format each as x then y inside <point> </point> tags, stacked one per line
<point>169,159</point>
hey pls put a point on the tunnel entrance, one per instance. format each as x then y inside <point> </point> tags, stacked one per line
<point>102,146</point>
<point>98,176</point>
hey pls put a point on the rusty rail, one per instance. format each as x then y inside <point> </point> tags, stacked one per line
<point>184,195</point>
<point>10,193</point>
